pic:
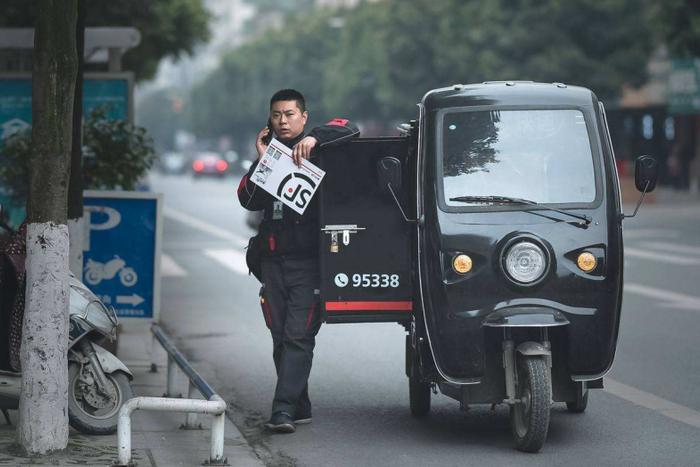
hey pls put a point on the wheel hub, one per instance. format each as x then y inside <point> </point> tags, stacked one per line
<point>90,393</point>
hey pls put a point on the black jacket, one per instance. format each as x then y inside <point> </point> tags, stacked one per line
<point>294,235</point>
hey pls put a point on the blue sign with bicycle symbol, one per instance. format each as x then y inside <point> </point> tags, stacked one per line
<point>122,251</point>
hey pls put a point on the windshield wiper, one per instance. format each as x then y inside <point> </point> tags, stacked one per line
<point>508,200</point>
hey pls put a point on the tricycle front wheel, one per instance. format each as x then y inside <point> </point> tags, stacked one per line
<point>530,415</point>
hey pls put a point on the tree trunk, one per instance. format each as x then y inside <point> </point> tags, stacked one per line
<point>76,223</point>
<point>43,407</point>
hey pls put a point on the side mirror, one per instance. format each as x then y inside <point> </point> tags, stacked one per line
<point>646,172</point>
<point>389,173</point>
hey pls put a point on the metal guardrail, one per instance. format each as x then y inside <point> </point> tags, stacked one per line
<point>214,405</point>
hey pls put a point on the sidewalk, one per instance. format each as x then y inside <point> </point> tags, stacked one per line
<point>157,439</point>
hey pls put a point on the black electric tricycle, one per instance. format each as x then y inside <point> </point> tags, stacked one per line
<point>491,230</point>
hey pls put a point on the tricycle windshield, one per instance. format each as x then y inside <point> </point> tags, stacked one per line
<point>539,155</point>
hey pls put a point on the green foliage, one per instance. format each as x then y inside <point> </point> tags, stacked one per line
<point>14,167</point>
<point>117,156</point>
<point>678,22</point>
<point>168,28</point>
<point>376,61</point>
<point>117,153</point>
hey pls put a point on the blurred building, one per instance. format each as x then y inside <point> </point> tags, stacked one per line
<point>661,119</point>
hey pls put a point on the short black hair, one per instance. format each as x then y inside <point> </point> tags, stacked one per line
<point>289,95</point>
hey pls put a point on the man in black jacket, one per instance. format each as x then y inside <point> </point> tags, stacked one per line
<point>288,243</point>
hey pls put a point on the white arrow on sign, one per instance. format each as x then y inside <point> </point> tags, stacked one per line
<point>133,299</point>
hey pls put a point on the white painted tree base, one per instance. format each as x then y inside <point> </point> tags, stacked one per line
<point>43,406</point>
<point>76,230</point>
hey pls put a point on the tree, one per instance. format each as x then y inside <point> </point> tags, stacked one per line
<point>43,407</point>
<point>76,228</point>
<point>377,60</point>
<point>168,27</point>
<point>678,22</point>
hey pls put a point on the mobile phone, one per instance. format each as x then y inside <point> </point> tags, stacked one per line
<point>268,138</point>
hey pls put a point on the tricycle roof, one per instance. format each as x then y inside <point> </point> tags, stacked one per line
<point>509,93</point>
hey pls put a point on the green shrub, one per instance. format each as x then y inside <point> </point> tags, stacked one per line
<point>116,155</point>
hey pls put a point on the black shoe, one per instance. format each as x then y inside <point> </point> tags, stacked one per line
<point>281,422</point>
<point>302,417</point>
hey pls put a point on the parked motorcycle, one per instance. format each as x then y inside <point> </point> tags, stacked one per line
<point>99,383</point>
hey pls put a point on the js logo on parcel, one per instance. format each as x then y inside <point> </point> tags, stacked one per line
<point>297,188</point>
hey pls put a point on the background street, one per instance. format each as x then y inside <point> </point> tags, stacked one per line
<point>649,413</point>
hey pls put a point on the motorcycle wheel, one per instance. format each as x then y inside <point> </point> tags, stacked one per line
<point>530,417</point>
<point>89,419</point>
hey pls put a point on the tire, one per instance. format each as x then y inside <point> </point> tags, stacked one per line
<point>579,405</point>
<point>418,391</point>
<point>530,418</point>
<point>84,417</point>
<point>419,397</point>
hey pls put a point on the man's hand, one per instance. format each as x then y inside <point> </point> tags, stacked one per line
<point>260,146</point>
<point>302,150</point>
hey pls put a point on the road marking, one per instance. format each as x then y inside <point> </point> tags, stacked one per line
<point>682,249</point>
<point>668,298</point>
<point>204,226</point>
<point>662,257</point>
<point>669,409</point>
<point>231,259</point>
<point>169,268</point>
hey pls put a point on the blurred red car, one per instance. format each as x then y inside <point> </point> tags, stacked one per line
<point>209,163</point>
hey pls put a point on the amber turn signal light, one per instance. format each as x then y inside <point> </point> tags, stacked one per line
<point>586,261</point>
<point>462,264</point>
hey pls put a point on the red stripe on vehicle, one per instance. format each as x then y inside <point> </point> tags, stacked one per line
<point>338,122</point>
<point>241,185</point>
<point>375,306</point>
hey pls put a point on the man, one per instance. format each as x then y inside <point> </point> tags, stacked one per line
<point>288,243</point>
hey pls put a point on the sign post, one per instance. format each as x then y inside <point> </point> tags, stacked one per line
<point>121,261</point>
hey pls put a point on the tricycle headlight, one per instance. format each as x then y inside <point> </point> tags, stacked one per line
<point>525,262</point>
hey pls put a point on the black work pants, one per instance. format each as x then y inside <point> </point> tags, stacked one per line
<point>290,303</point>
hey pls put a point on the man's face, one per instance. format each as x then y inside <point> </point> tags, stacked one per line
<point>287,119</point>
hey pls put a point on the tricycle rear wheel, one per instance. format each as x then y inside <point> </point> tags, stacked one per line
<point>419,396</point>
<point>580,404</point>
<point>530,416</point>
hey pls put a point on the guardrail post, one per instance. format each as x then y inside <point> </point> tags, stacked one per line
<point>217,437</point>
<point>172,378</point>
<point>154,365</point>
<point>191,417</point>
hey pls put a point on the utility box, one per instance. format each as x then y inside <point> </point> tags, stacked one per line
<point>365,245</point>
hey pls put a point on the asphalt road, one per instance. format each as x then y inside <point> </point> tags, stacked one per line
<point>649,413</point>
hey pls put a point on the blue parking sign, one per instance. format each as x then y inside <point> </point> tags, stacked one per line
<point>121,260</point>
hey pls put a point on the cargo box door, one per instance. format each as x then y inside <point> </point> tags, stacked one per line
<point>365,244</point>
